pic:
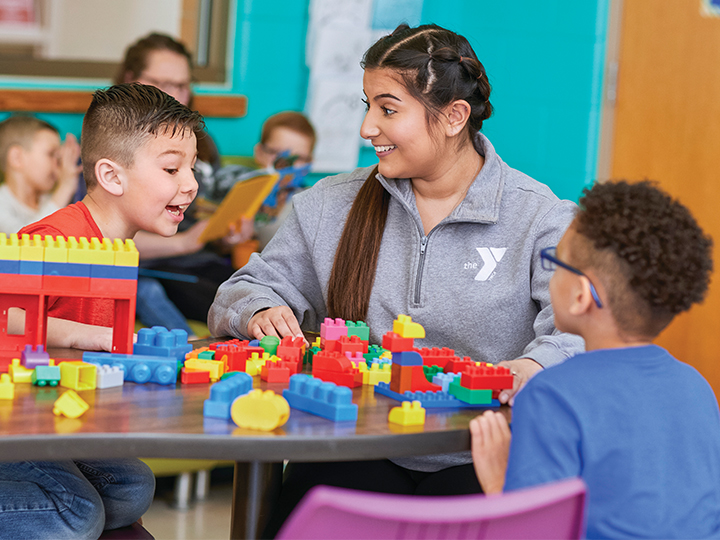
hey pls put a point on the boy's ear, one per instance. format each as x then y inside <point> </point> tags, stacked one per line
<point>582,298</point>
<point>110,176</point>
<point>458,113</point>
<point>15,157</point>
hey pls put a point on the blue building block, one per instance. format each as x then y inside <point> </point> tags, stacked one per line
<point>106,271</point>
<point>138,368</point>
<point>159,341</point>
<point>67,269</point>
<point>224,392</point>
<point>9,267</point>
<point>324,399</point>
<point>444,379</point>
<point>34,268</point>
<point>407,358</point>
<point>431,400</point>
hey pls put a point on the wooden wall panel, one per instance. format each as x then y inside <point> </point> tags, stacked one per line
<point>667,128</point>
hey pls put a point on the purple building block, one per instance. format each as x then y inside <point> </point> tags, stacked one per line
<point>31,359</point>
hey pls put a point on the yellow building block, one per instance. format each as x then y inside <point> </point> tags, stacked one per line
<point>215,367</point>
<point>7,388</point>
<point>404,327</point>
<point>102,251</point>
<point>409,414</point>
<point>260,410</point>
<point>56,249</point>
<point>9,247</point>
<point>31,248</point>
<point>71,405</point>
<point>376,373</point>
<point>126,254</point>
<point>257,363</point>
<point>78,375</point>
<point>19,373</point>
<point>317,343</point>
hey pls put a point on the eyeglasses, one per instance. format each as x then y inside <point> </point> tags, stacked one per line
<point>283,158</point>
<point>551,262</point>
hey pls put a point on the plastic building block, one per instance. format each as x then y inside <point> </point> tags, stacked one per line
<point>332,329</point>
<point>292,350</point>
<point>347,344</point>
<point>206,355</point>
<point>159,341</point>
<point>71,405</point>
<point>375,373</point>
<point>359,329</point>
<point>486,377</point>
<point>235,353</point>
<point>31,359</point>
<point>260,410</point>
<point>406,328</point>
<point>19,373</point>
<point>78,375</point>
<point>401,378</point>
<point>337,368</point>
<point>321,398</point>
<point>396,343</point>
<point>310,354</point>
<point>216,368</point>
<point>109,376</point>
<point>7,388</point>
<point>277,371</point>
<point>138,368</point>
<point>410,413</point>
<point>431,371</point>
<point>317,343</point>
<point>437,357</point>
<point>223,393</point>
<point>194,376</point>
<point>458,366</point>
<point>407,358</point>
<point>431,400</point>
<point>374,351</point>
<point>476,397</point>
<point>46,375</point>
<point>270,344</point>
<point>444,379</point>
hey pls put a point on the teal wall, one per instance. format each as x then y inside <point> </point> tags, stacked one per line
<point>544,59</point>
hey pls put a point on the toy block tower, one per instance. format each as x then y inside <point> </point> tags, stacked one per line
<point>407,367</point>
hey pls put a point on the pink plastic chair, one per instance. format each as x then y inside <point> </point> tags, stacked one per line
<point>554,511</point>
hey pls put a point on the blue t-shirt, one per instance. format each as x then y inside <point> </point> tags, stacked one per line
<point>641,428</point>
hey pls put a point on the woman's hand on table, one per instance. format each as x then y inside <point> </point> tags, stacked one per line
<point>522,369</point>
<point>279,321</point>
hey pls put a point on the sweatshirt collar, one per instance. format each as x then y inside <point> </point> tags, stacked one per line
<point>482,202</point>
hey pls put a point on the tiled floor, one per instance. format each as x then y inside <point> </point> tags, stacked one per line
<point>206,520</point>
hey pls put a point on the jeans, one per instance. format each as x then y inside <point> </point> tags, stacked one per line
<point>154,308</point>
<point>72,499</point>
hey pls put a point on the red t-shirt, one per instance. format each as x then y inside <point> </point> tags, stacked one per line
<point>74,220</point>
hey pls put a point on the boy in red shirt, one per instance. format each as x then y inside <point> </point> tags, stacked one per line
<point>138,150</point>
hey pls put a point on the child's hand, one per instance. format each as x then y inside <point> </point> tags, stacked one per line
<point>279,321</point>
<point>68,171</point>
<point>490,438</point>
<point>522,369</point>
<point>239,232</point>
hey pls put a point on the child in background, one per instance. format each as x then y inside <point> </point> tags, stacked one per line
<point>40,173</point>
<point>641,428</point>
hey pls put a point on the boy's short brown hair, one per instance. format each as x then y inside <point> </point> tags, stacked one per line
<point>121,117</point>
<point>19,130</point>
<point>292,120</point>
<point>649,252</point>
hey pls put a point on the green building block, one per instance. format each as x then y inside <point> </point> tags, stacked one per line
<point>474,397</point>
<point>270,344</point>
<point>310,353</point>
<point>431,371</point>
<point>207,355</point>
<point>359,329</point>
<point>46,376</point>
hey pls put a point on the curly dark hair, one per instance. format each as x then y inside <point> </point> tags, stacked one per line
<point>649,251</point>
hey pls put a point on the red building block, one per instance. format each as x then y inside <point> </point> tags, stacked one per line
<point>277,372</point>
<point>235,355</point>
<point>337,368</point>
<point>292,350</point>
<point>194,376</point>
<point>394,343</point>
<point>457,366</point>
<point>352,344</point>
<point>437,357</point>
<point>487,377</point>
<point>341,379</point>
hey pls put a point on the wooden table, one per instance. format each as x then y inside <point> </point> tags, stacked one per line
<point>157,421</point>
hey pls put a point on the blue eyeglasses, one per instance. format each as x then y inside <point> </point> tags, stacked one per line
<point>551,262</point>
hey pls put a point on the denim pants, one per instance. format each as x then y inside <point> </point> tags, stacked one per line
<point>72,499</point>
<point>154,308</point>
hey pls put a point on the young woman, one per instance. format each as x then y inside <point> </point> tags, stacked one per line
<point>441,230</point>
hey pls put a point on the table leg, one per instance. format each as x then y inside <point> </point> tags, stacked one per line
<point>256,486</point>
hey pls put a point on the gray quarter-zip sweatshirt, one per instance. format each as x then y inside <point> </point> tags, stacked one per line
<point>475,281</point>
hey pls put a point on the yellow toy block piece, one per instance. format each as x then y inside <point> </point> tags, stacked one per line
<point>102,252</point>
<point>404,327</point>
<point>78,375</point>
<point>70,405</point>
<point>252,369</point>
<point>55,249</point>
<point>260,410</point>
<point>317,343</point>
<point>7,388</point>
<point>409,414</point>
<point>31,248</point>
<point>258,360</point>
<point>377,373</point>
<point>126,254</point>
<point>215,367</point>
<point>19,373</point>
<point>386,354</point>
<point>79,250</point>
<point>9,247</point>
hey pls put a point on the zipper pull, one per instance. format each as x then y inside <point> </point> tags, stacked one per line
<point>423,245</point>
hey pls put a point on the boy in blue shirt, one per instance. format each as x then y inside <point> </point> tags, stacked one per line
<point>641,428</point>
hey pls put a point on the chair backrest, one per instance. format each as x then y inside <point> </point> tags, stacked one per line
<point>555,510</point>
